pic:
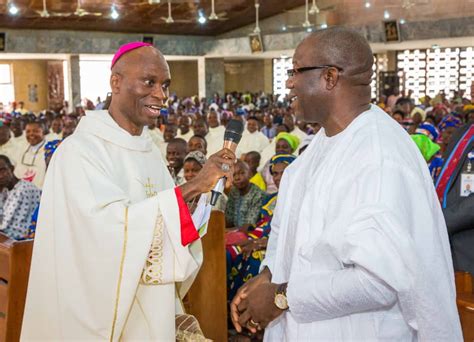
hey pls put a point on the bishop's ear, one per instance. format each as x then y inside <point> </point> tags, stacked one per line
<point>115,82</point>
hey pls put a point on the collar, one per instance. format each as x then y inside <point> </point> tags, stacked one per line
<point>36,147</point>
<point>101,124</point>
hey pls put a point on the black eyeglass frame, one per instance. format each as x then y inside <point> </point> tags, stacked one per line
<point>293,72</point>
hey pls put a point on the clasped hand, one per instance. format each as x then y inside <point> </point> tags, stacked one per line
<point>253,307</point>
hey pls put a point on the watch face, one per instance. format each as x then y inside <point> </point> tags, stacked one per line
<point>281,302</point>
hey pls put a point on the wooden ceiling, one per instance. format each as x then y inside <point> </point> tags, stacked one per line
<point>139,16</point>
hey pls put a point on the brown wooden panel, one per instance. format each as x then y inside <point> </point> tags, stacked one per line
<point>15,259</point>
<point>3,298</point>
<point>463,282</point>
<point>465,303</point>
<point>4,264</point>
<point>207,298</point>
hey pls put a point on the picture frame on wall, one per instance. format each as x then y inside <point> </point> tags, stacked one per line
<point>256,44</point>
<point>148,40</point>
<point>3,41</point>
<point>392,31</point>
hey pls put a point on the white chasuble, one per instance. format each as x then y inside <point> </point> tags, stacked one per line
<point>359,235</point>
<point>107,257</point>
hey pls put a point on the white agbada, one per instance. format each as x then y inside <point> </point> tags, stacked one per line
<point>108,259</point>
<point>20,142</point>
<point>267,154</point>
<point>30,164</point>
<point>256,141</point>
<point>10,150</point>
<point>53,136</point>
<point>299,133</point>
<point>359,235</point>
<point>215,139</point>
<point>187,136</point>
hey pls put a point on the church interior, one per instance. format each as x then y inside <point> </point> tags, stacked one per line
<point>228,60</point>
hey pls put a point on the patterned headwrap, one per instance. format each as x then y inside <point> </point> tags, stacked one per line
<point>449,121</point>
<point>429,130</point>
<point>197,156</point>
<point>281,158</point>
<point>427,148</point>
<point>126,48</point>
<point>50,147</point>
<point>292,140</point>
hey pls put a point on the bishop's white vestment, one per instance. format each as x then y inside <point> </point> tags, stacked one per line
<point>359,235</point>
<point>109,260</point>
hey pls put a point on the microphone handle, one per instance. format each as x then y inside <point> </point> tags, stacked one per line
<point>217,191</point>
<point>219,187</point>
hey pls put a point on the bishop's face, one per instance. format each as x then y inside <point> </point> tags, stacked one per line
<point>143,90</point>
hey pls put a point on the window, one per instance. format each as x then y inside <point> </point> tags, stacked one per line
<point>411,65</point>
<point>427,72</point>
<point>466,70</point>
<point>380,64</point>
<point>442,71</point>
<point>280,66</point>
<point>7,91</point>
<point>95,79</point>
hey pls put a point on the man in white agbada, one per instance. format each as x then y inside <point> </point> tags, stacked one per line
<point>290,121</point>
<point>358,248</point>
<point>215,136</point>
<point>252,138</point>
<point>30,164</point>
<point>115,247</point>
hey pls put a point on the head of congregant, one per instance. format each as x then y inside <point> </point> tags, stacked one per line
<point>330,80</point>
<point>139,82</point>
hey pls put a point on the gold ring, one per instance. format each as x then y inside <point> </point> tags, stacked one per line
<point>253,324</point>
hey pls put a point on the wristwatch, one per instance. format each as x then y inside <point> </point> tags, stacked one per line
<point>281,301</point>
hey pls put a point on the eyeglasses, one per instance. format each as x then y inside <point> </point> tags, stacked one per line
<point>293,72</point>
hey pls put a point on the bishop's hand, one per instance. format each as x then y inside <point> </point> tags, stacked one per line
<point>220,164</point>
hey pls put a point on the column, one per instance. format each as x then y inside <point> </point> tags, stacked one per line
<point>215,76</point>
<point>74,81</point>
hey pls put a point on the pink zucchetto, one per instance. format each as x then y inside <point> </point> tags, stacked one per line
<point>127,48</point>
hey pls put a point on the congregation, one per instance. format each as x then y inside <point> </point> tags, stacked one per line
<point>191,129</point>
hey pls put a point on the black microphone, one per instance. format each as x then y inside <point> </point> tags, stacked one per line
<point>232,136</point>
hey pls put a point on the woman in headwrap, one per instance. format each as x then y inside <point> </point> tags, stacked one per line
<point>447,127</point>
<point>429,150</point>
<point>436,162</point>
<point>286,143</point>
<point>244,257</point>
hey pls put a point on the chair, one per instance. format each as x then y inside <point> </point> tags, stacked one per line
<point>15,259</point>
<point>207,298</point>
<point>465,303</point>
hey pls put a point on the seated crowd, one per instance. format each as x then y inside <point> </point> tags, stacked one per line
<point>190,130</point>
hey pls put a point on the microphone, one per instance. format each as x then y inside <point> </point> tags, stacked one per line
<point>232,136</point>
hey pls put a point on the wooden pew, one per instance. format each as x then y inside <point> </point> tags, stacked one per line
<point>207,298</point>
<point>465,303</point>
<point>15,259</point>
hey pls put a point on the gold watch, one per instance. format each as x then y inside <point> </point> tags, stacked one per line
<point>281,301</point>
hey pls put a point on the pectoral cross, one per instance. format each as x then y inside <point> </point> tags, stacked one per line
<point>149,188</point>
